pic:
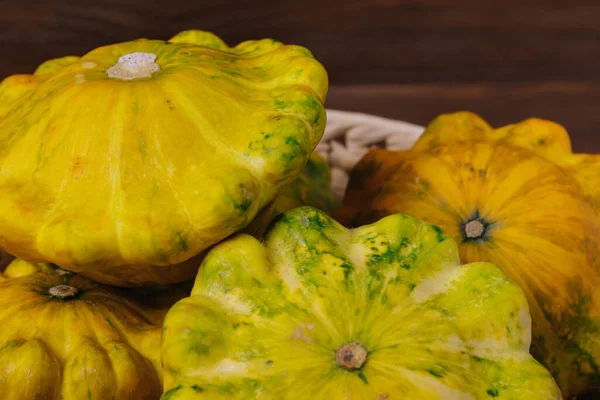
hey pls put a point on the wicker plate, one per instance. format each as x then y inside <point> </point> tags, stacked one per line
<point>349,135</point>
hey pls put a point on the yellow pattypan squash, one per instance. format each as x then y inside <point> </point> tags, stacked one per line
<point>67,338</point>
<point>17,268</point>
<point>516,197</point>
<point>125,163</point>
<point>311,188</point>
<point>318,312</point>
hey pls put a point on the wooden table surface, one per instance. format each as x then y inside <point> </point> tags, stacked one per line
<point>410,60</point>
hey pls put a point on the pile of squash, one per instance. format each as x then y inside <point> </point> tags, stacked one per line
<point>175,238</point>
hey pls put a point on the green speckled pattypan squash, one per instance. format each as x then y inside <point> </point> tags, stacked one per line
<point>125,163</point>
<point>319,312</point>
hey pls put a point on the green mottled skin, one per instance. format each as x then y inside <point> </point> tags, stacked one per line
<point>311,188</point>
<point>264,321</point>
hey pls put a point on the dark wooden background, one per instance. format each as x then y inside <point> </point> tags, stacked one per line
<point>412,60</point>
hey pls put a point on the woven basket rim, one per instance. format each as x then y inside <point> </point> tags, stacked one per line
<point>359,115</point>
<point>349,135</point>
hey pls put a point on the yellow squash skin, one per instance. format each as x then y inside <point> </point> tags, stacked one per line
<point>98,344</point>
<point>159,297</point>
<point>17,268</point>
<point>270,321</point>
<point>537,204</point>
<point>122,172</point>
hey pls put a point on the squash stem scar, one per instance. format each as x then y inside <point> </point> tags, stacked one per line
<point>474,229</point>
<point>133,66</point>
<point>351,356</point>
<point>63,291</point>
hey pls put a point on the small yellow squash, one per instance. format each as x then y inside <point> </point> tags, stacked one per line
<point>125,163</point>
<point>64,337</point>
<point>17,268</point>
<point>312,188</point>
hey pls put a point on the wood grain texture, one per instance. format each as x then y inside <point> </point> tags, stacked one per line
<point>576,105</point>
<point>360,41</point>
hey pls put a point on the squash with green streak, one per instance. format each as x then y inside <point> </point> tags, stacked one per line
<point>517,197</point>
<point>64,337</point>
<point>383,311</point>
<point>312,188</point>
<point>125,164</point>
